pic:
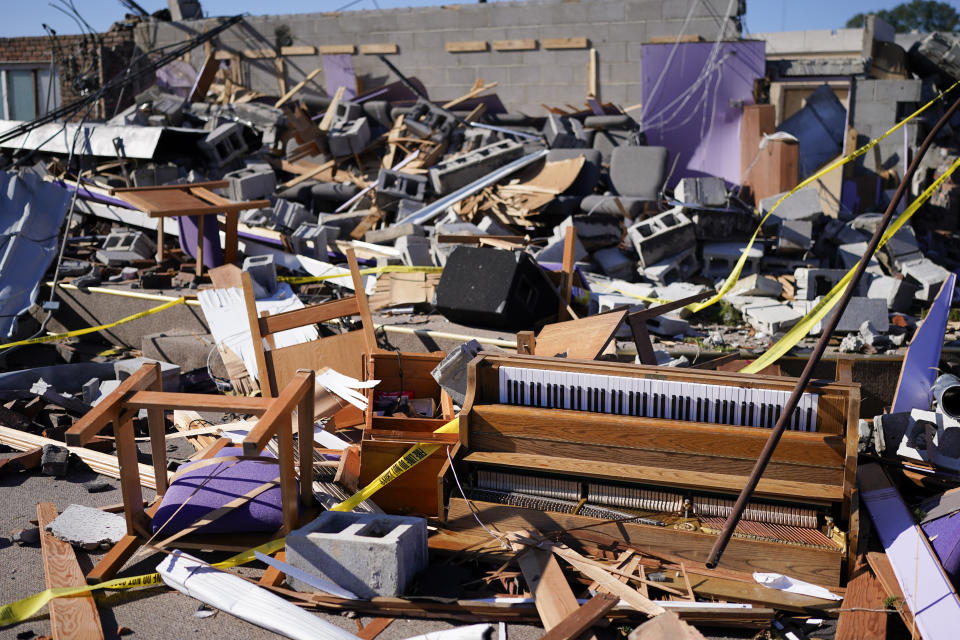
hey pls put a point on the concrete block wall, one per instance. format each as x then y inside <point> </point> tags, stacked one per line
<point>877,105</point>
<point>527,79</point>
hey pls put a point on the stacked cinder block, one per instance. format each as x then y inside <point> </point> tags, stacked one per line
<point>661,236</point>
<point>224,144</point>
<point>457,172</point>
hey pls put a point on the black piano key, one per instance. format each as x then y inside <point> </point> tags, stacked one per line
<point>630,404</point>
<point>716,411</point>
<point>603,401</point>
<point>699,409</point>
<point>509,392</point>
<point>743,413</point>
<point>539,388</point>
<point>644,413</point>
<point>557,391</point>
<point>751,421</point>
<point>620,402</point>
<point>810,419</point>
<point>663,405</point>
<point>673,407</point>
<point>779,413</point>
<point>689,406</point>
<point>796,418</point>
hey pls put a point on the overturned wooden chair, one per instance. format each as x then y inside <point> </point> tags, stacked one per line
<point>142,390</point>
<point>344,352</point>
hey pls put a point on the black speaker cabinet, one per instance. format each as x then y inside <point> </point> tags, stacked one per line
<point>494,288</point>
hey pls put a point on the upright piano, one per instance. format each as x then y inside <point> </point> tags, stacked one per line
<point>656,456</point>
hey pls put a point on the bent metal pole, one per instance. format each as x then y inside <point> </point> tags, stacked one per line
<point>767,453</point>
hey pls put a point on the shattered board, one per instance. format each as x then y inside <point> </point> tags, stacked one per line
<point>226,315</point>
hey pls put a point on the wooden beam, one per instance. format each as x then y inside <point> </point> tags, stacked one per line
<point>108,410</point>
<point>566,271</point>
<point>583,618</point>
<point>283,405</point>
<point>204,79</point>
<point>75,618</point>
<point>514,45</point>
<point>564,43</point>
<point>334,49</point>
<point>297,87</point>
<point>298,50</point>
<point>197,402</point>
<point>303,177</point>
<point>552,595</point>
<point>861,614</point>
<point>690,37</point>
<point>466,46</point>
<point>379,48</point>
<point>327,121</point>
<point>259,54</point>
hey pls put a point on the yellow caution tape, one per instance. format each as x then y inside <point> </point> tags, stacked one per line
<point>802,328</point>
<point>110,325</point>
<point>22,609</point>
<point>363,272</point>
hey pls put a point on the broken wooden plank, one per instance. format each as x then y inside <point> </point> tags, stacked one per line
<point>29,459</point>
<point>552,595</point>
<point>466,46</point>
<point>297,87</point>
<point>378,48</point>
<point>335,49</point>
<point>75,618</point>
<point>204,79</point>
<point>564,43</point>
<point>583,618</point>
<point>880,565</point>
<point>861,614</point>
<point>514,45</point>
<point>327,121</point>
<point>374,628</point>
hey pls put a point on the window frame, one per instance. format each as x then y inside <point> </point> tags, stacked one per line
<point>6,107</point>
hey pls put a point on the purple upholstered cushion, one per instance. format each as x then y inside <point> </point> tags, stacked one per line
<point>945,539</point>
<point>225,481</point>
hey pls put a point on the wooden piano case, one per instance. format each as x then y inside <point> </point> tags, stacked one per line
<point>808,468</point>
<point>386,438</point>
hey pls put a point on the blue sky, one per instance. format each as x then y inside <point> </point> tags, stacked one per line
<point>26,18</point>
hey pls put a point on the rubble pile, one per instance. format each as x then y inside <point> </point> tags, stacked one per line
<point>262,255</point>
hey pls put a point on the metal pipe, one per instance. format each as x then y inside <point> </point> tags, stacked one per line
<point>767,453</point>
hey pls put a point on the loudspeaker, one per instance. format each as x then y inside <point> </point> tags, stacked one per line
<point>494,288</point>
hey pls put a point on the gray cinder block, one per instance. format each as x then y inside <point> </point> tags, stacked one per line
<point>595,231</point>
<point>427,120</point>
<point>393,186</point>
<point>250,184</point>
<point>313,239</point>
<point>614,263</point>
<point>720,257</point>
<point>678,267</point>
<point>366,553</point>
<point>662,235</point>
<point>795,236</point>
<point>928,275</point>
<point>414,251</point>
<point>707,191</point>
<point>224,144</point>
<point>389,234</point>
<point>773,318</point>
<point>349,138</point>
<point>562,132</point>
<point>803,205</point>
<point>454,173</point>
<point>289,215</point>
<point>123,247</point>
<point>263,274</point>
<point>169,372</point>
<point>898,292</point>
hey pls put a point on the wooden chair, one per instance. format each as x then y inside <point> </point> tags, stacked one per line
<point>142,390</point>
<point>344,352</point>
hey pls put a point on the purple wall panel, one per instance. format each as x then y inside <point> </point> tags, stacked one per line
<point>692,103</point>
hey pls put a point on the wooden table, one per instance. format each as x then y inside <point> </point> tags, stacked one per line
<point>194,199</point>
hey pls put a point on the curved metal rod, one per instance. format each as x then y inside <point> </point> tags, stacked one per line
<point>728,527</point>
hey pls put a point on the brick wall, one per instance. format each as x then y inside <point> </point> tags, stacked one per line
<point>74,55</point>
<point>527,79</point>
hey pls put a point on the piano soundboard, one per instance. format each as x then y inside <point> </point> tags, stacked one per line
<point>646,398</point>
<point>656,456</point>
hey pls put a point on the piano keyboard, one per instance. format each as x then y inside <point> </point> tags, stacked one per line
<point>642,397</point>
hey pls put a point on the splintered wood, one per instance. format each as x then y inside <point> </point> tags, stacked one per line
<point>519,203</point>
